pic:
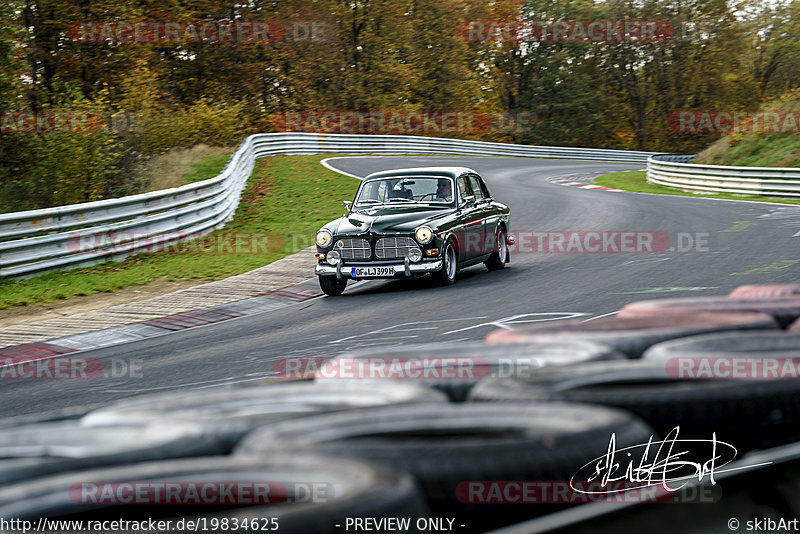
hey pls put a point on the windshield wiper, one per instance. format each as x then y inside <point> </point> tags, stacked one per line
<point>369,201</point>
<point>401,199</point>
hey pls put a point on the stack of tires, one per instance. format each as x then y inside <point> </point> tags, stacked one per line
<point>468,437</point>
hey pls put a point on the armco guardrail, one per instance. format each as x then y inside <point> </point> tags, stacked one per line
<point>674,170</point>
<point>83,234</point>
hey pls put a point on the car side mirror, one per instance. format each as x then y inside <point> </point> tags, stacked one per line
<point>469,201</point>
<point>347,205</point>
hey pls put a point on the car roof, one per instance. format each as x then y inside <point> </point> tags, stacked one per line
<point>450,172</point>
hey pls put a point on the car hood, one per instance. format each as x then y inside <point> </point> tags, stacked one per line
<point>388,219</point>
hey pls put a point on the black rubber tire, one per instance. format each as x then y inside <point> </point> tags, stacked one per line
<point>497,260</point>
<point>785,310</point>
<point>750,414</point>
<point>760,291</point>
<point>633,335</point>
<point>32,451</point>
<point>229,414</point>
<point>447,446</point>
<point>362,490</point>
<point>443,277</point>
<point>72,413</point>
<point>781,345</point>
<point>457,367</point>
<point>332,286</point>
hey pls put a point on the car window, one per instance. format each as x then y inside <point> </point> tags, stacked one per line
<point>484,188</point>
<point>376,190</point>
<point>407,188</point>
<point>475,184</point>
<point>463,187</point>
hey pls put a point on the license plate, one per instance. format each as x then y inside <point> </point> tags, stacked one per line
<point>372,272</point>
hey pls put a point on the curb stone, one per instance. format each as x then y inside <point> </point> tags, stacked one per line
<point>277,285</point>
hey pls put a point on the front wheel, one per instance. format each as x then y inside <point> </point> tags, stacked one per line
<point>447,276</point>
<point>499,257</point>
<point>332,286</point>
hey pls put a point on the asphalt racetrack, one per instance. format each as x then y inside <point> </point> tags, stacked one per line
<point>716,246</point>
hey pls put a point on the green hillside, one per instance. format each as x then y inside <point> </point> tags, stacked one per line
<point>758,146</point>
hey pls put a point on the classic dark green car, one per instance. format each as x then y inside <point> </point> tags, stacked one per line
<point>412,222</point>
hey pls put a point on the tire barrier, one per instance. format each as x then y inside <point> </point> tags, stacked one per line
<point>547,399</point>
<point>454,368</point>
<point>73,413</point>
<point>303,493</point>
<point>766,291</point>
<point>785,310</point>
<point>230,414</point>
<point>725,351</point>
<point>32,451</point>
<point>750,414</point>
<point>447,446</point>
<point>633,335</point>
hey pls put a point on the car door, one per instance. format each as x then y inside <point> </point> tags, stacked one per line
<point>471,218</point>
<point>484,205</point>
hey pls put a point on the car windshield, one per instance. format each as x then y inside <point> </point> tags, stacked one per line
<point>406,189</point>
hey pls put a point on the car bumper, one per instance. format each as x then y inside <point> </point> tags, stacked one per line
<point>402,269</point>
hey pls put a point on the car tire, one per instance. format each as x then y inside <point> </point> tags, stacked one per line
<point>785,309</point>
<point>229,414</point>
<point>343,488</point>
<point>499,257</point>
<point>730,347</point>
<point>456,367</point>
<point>761,291</point>
<point>632,336</point>
<point>332,286</point>
<point>446,446</point>
<point>33,451</point>
<point>447,275</point>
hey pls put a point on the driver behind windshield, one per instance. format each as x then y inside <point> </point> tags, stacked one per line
<point>444,191</point>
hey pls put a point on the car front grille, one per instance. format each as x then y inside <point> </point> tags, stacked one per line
<point>394,247</point>
<point>353,249</point>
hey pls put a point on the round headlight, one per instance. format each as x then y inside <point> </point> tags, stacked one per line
<point>324,238</point>
<point>424,235</point>
<point>414,254</point>
<point>333,257</point>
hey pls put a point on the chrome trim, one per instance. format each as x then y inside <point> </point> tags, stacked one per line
<point>390,248</point>
<point>413,268</point>
<point>353,248</point>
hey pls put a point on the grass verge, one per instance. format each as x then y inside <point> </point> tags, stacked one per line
<point>636,181</point>
<point>286,200</point>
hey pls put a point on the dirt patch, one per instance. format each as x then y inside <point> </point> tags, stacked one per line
<point>25,314</point>
<point>167,170</point>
